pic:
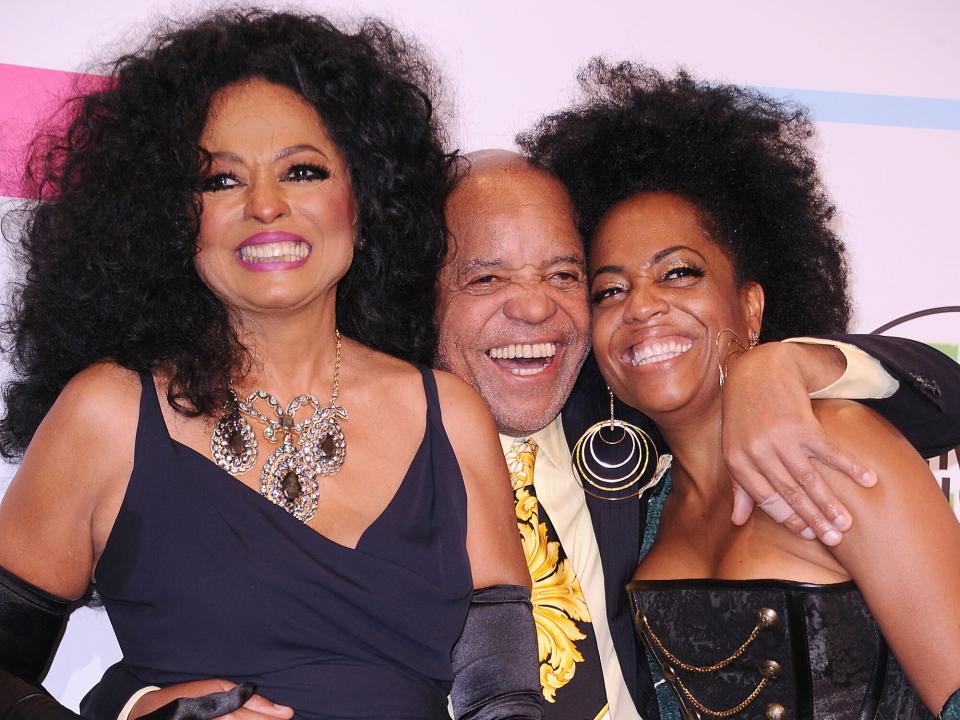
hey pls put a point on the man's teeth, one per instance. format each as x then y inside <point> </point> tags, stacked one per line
<point>523,350</point>
<point>657,352</point>
<point>286,251</point>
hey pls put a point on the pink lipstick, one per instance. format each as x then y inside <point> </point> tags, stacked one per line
<point>273,250</point>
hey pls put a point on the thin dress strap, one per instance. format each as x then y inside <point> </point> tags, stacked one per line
<point>151,422</point>
<point>434,416</point>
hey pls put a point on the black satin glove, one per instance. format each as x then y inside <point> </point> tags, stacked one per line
<point>31,623</point>
<point>496,671</point>
<point>22,700</point>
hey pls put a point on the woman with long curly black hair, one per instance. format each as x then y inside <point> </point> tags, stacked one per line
<point>709,230</point>
<point>227,277</point>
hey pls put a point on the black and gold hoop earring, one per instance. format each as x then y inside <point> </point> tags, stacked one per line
<point>630,456</point>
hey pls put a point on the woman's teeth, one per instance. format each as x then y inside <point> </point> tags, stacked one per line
<point>524,358</point>
<point>286,251</point>
<point>656,352</point>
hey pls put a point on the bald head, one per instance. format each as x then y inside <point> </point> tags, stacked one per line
<point>484,177</point>
<point>512,309</point>
<point>499,184</point>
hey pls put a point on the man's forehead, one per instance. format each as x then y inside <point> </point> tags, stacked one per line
<point>491,219</point>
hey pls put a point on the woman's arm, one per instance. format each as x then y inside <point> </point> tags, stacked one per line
<point>493,543</point>
<point>54,519</point>
<point>495,664</point>
<point>903,550</point>
<point>61,504</point>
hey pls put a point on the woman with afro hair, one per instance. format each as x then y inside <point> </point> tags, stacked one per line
<point>221,397</point>
<point>708,230</point>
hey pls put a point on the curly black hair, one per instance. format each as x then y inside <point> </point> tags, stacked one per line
<point>738,155</point>
<point>108,250</point>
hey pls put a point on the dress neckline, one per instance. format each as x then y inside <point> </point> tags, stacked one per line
<point>256,497</point>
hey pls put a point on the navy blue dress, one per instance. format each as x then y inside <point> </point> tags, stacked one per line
<point>204,578</point>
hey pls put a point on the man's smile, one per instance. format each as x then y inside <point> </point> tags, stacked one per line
<point>524,359</point>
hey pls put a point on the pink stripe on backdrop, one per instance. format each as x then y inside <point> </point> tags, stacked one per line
<point>30,98</point>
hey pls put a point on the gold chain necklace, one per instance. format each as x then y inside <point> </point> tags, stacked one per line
<point>312,447</point>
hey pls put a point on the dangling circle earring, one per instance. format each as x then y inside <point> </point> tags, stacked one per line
<point>616,479</point>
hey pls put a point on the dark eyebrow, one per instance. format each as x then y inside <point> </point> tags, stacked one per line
<point>294,149</point>
<point>479,264</point>
<point>608,269</point>
<point>490,263</point>
<point>224,155</point>
<point>562,259</point>
<point>281,154</point>
<point>657,257</point>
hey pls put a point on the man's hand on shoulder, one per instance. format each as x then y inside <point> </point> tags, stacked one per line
<point>771,436</point>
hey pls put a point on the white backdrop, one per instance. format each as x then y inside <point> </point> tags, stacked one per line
<point>882,78</point>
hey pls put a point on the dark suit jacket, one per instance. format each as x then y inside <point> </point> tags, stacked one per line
<point>926,409</point>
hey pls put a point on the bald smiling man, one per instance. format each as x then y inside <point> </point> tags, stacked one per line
<point>514,322</point>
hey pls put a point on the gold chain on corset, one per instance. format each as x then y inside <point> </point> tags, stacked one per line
<point>769,669</point>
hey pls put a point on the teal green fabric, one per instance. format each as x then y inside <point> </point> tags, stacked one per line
<point>669,709</point>
<point>951,711</point>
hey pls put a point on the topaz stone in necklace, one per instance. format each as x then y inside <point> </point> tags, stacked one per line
<point>289,479</point>
<point>325,439</point>
<point>234,444</point>
<point>309,449</point>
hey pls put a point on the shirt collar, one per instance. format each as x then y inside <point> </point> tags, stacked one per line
<point>551,441</point>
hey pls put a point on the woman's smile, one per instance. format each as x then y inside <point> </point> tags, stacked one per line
<point>656,350</point>
<point>268,251</point>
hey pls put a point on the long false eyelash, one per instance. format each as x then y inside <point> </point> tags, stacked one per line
<point>687,269</point>
<point>213,183</point>
<point>601,294</point>
<point>319,172</point>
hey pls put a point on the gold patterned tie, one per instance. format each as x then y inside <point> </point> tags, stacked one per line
<point>557,598</point>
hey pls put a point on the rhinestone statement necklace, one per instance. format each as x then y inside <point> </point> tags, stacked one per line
<point>308,449</point>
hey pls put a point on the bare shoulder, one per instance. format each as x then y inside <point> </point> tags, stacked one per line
<point>388,381</point>
<point>906,506</point>
<point>66,493</point>
<point>95,416</point>
<point>103,396</point>
<point>866,432</point>
<point>459,401</point>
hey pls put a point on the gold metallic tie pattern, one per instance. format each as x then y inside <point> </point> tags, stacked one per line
<point>557,598</point>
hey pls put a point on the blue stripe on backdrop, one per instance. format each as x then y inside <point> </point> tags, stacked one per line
<point>866,109</point>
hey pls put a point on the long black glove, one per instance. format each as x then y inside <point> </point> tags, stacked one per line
<point>31,623</point>
<point>495,664</point>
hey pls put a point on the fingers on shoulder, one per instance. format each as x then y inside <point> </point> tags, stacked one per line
<point>855,426</point>
<point>905,493</point>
